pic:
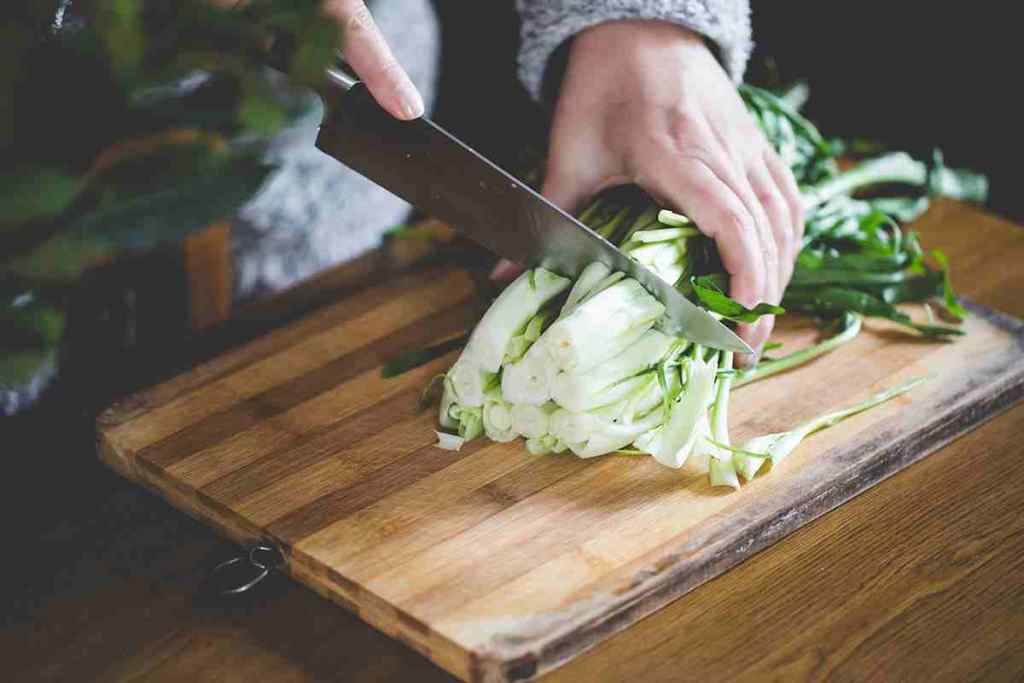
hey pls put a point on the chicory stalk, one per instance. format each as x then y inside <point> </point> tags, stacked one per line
<point>532,421</point>
<point>528,380</point>
<point>896,167</point>
<point>662,234</point>
<point>544,444</point>
<point>448,400</point>
<point>673,219</point>
<point>449,442</point>
<point>585,284</point>
<point>617,316</point>
<point>469,382</point>
<point>509,313</point>
<point>497,417</point>
<point>776,447</point>
<point>596,433</point>
<point>720,409</point>
<point>521,342</point>
<point>470,421</point>
<point>674,441</point>
<point>581,391</point>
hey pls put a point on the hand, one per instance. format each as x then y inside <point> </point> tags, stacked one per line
<point>368,54</point>
<point>646,102</point>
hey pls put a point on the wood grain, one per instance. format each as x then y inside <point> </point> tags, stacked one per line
<point>499,565</point>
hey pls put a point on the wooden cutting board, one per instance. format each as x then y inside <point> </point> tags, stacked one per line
<point>496,564</point>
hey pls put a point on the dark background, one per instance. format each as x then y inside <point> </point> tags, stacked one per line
<point>912,75</point>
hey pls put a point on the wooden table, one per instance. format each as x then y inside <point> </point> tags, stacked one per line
<point>921,576</point>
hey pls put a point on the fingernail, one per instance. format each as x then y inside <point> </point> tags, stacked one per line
<point>410,102</point>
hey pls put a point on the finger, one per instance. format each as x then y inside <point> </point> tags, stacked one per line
<point>790,191</point>
<point>756,335</point>
<point>368,54</point>
<point>690,186</point>
<point>506,270</point>
<point>781,223</point>
<point>724,169</point>
<point>576,165</point>
<point>730,151</point>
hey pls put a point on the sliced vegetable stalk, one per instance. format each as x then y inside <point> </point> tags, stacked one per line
<point>776,447</point>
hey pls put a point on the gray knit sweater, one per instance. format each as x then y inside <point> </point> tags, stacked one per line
<point>546,24</point>
<point>315,213</point>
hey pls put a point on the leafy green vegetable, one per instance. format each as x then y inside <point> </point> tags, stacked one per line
<point>713,299</point>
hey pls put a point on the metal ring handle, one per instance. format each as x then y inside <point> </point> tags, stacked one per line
<point>262,556</point>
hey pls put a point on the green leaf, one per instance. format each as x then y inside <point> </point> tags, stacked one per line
<point>19,366</point>
<point>35,193</point>
<point>141,222</point>
<point>830,301</point>
<point>25,321</point>
<point>949,296</point>
<point>712,298</point>
<point>119,24</point>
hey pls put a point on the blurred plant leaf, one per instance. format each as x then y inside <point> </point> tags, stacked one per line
<point>141,222</point>
<point>19,366</point>
<point>31,193</point>
<point>119,25</point>
<point>27,321</point>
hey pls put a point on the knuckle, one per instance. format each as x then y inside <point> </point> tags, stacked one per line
<point>359,19</point>
<point>737,223</point>
<point>389,70</point>
<point>683,122</point>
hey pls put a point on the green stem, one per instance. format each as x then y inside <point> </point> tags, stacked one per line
<point>773,367</point>
<point>897,167</point>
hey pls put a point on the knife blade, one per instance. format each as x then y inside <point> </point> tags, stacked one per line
<point>431,169</point>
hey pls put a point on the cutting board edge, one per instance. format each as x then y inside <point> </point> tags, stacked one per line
<point>444,652</point>
<point>532,658</point>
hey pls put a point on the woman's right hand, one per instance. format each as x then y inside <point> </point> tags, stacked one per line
<point>366,51</point>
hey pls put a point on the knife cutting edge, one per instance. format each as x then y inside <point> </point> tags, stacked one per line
<point>431,169</point>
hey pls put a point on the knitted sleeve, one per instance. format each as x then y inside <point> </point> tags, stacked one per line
<point>548,24</point>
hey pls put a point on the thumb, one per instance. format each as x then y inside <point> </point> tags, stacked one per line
<point>568,190</point>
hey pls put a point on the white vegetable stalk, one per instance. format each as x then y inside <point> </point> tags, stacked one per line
<point>609,382</point>
<point>448,400</point>
<point>497,417</point>
<point>617,316</point>
<point>528,380</point>
<point>449,442</point>
<point>721,466</point>
<point>586,284</point>
<point>776,447</point>
<point>601,379</point>
<point>469,382</point>
<point>544,444</point>
<point>521,343</point>
<point>509,313</point>
<point>597,433</point>
<point>675,440</point>
<point>532,421</point>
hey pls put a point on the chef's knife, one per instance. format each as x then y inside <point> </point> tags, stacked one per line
<point>428,167</point>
